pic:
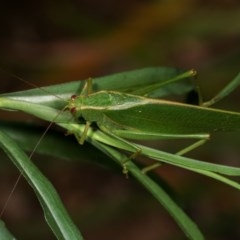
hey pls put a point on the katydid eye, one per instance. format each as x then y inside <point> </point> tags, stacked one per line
<point>73,110</point>
<point>73,97</point>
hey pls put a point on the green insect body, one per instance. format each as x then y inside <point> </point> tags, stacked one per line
<point>120,112</point>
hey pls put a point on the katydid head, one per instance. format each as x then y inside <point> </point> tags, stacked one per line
<point>73,97</point>
<point>71,105</point>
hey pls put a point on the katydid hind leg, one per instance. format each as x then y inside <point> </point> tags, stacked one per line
<point>81,138</point>
<point>180,153</point>
<point>229,88</point>
<point>121,143</point>
<point>224,92</point>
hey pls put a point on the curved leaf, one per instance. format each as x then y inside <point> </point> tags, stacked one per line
<point>54,144</point>
<point>55,213</point>
<point>184,222</point>
<point>155,82</point>
<point>4,232</point>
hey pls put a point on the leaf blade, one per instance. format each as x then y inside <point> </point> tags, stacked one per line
<point>55,213</point>
<point>185,223</point>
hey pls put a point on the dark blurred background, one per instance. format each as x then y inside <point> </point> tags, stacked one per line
<point>48,42</point>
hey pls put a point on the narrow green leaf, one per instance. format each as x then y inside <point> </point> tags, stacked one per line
<point>184,222</point>
<point>54,144</point>
<point>41,111</point>
<point>5,233</point>
<point>55,213</point>
<point>161,156</point>
<point>157,80</point>
<point>216,177</point>
<point>185,162</point>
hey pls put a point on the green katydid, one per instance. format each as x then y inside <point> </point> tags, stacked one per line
<point>119,112</point>
<point>156,119</point>
<point>151,85</point>
<point>122,115</point>
<point>136,117</point>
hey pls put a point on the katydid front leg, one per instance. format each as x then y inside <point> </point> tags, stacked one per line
<point>87,89</point>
